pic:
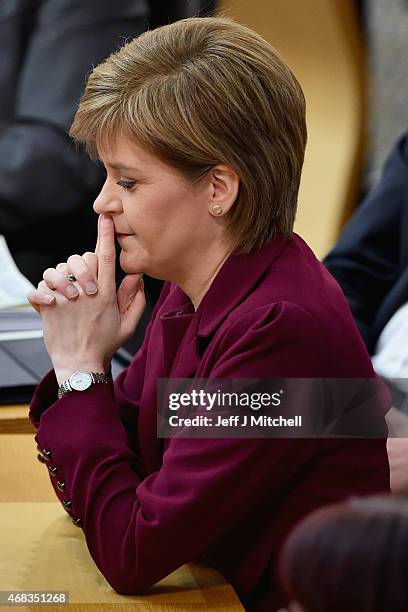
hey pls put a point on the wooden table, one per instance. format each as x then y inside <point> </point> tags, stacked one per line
<point>42,550</point>
<point>14,419</point>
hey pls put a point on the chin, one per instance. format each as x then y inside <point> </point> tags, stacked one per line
<point>131,264</point>
<point>130,267</point>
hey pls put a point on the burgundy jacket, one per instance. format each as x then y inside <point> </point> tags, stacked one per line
<point>228,502</point>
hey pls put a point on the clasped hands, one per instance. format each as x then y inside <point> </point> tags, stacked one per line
<point>83,331</point>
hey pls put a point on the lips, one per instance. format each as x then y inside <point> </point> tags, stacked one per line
<point>121,237</point>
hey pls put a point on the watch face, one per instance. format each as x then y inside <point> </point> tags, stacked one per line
<point>80,381</point>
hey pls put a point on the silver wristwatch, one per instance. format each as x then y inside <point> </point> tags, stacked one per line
<point>81,381</point>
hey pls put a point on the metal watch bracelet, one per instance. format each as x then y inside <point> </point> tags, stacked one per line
<point>96,377</point>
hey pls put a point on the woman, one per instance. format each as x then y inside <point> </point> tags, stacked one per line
<point>201,128</point>
<point>366,541</point>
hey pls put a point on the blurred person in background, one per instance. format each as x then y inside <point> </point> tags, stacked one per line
<point>350,557</point>
<point>370,261</point>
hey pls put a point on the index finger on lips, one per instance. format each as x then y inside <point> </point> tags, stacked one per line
<point>106,254</point>
<point>97,236</point>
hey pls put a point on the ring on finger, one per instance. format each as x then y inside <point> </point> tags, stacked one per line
<point>70,277</point>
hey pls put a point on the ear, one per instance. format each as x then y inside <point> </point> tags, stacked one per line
<point>224,186</point>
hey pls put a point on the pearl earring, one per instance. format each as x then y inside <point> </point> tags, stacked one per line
<point>216,210</point>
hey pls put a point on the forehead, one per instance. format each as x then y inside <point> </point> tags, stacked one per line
<point>125,153</point>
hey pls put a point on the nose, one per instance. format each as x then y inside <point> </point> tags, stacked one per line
<point>107,200</point>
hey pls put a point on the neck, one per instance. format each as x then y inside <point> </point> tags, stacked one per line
<point>200,276</point>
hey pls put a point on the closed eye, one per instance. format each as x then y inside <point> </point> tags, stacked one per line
<point>126,184</point>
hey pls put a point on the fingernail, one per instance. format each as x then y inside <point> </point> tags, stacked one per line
<point>71,292</point>
<point>91,288</point>
<point>49,299</point>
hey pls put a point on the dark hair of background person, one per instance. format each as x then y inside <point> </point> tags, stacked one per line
<point>350,557</point>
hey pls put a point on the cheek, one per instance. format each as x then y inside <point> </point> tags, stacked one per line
<point>164,217</point>
<point>150,227</point>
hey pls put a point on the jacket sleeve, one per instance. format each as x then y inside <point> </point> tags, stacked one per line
<point>367,257</point>
<point>139,530</point>
<point>41,172</point>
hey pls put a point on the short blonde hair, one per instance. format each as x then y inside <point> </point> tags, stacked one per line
<point>200,92</point>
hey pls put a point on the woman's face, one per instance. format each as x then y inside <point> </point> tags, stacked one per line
<point>162,222</point>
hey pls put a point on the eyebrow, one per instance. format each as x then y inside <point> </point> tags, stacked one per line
<point>120,166</point>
